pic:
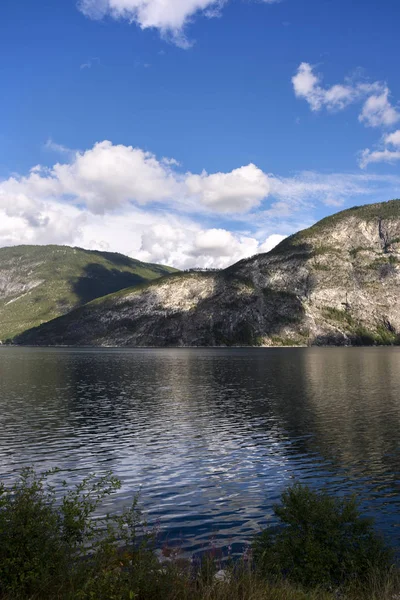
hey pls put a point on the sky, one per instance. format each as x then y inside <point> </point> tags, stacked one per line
<point>193,132</point>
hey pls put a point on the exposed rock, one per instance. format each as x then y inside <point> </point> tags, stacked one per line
<point>335,283</point>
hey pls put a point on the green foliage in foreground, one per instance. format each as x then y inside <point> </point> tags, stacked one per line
<point>54,548</point>
<point>324,540</point>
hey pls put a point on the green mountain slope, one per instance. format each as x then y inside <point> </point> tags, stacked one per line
<point>337,282</point>
<point>39,283</point>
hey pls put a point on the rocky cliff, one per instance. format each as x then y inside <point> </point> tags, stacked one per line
<point>335,283</point>
<point>39,283</point>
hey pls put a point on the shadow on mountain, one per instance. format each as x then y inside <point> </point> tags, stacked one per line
<point>237,313</point>
<point>243,318</point>
<point>293,248</point>
<point>125,261</point>
<point>332,339</point>
<point>98,281</point>
<point>116,258</point>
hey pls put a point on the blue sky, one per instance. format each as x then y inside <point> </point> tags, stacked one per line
<point>197,132</point>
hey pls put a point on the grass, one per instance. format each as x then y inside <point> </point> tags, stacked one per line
<point>53,548</point>
<point>337,315</point>
<point>44,282</point>
<point>380,337</point>
<point>359,334</point>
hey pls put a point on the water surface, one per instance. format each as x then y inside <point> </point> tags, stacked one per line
<point>210,437</point>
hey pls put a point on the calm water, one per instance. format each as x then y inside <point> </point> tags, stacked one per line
<point>209,436</point>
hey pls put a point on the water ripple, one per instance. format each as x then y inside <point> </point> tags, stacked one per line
<point>209,437</point>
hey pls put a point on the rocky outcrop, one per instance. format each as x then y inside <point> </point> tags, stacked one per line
<point>335,283</point>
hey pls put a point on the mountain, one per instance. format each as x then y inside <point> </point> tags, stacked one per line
<point>337,282</point>
<point>39,283</point>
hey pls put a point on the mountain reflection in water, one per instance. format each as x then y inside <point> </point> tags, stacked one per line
<point>210,437</point>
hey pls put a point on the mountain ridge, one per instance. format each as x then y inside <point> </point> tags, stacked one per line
<point>336,282</point>
<point>41,282</point>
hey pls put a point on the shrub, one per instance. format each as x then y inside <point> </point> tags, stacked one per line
<point>53,547</point>
<point>321,541</point>
<point>381,337</point>
<point>47,544</point>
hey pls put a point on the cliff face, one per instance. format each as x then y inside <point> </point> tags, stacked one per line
<point>39,283</point>
<point>337,282</point>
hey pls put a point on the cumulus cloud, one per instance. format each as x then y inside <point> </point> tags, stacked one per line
<point>271,241</point>
<point>169,17</point>
<point>103,178</point>
<point>108,176</point>
<point>194,246</point>
<point>376,111</point>
<point>389,152</point>
<point>307,85</point>
<point>238,191</point>
<point>149,236</point>
<point>121,198</point>
<point>393,139</point>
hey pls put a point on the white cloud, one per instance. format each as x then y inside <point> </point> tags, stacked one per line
<point>145,235</point>
<point>377,111</point>
<point>58,148</point>
<point>393,139</point>
<point>124,199</point>
<point>306,187</point>
<point>44,223</point>
<point>216,242</point>
<point>103,178</point>
<point>168,16</point>
<point>238,191</point>
<point>384,154</point>
<point>208,248</point>
<point>109,176</point>
<point>95,200</point>
<point>271,241</point>
<point>307,85</point>
<point>368,156</point>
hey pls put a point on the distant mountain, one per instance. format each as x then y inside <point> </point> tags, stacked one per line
<point>337,282</point>
<point>39,283</point>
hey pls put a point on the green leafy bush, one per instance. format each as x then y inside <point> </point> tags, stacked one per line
<point>54,546</point>
<point>323,541</point>
<point>49,544</point>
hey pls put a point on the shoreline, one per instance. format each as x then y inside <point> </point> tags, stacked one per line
<point>4,345</point>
